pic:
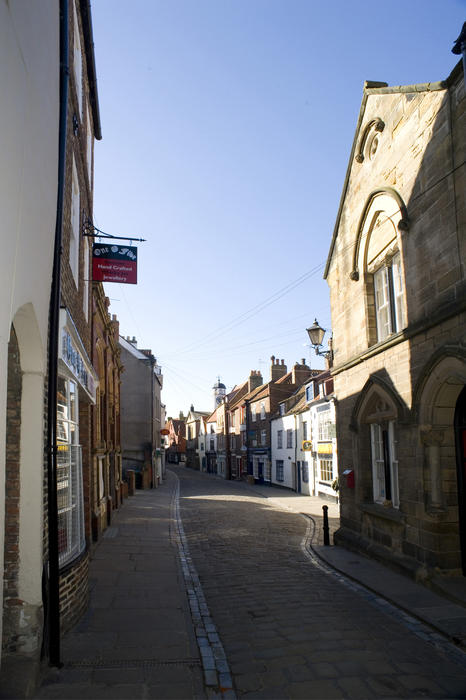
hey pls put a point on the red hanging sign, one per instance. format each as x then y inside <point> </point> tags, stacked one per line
<point>114,263</point>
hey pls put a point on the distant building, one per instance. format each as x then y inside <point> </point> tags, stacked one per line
<point>141,414</point>
<point>195,427</point>
<point>175,451</point>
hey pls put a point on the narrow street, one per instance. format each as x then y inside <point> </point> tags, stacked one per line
<point>289,629</point>
<point>204,588</point>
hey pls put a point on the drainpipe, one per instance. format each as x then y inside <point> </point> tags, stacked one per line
<point>296,451</point>
<point>53,602</point>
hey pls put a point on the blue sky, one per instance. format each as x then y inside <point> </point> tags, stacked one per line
<point>227,126</point>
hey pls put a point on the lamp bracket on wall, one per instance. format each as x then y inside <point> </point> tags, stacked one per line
<point>92,232</point>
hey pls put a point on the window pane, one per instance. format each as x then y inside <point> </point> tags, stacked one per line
<point>382,305</point>
<point>326,469</point>
<point>398,293</point>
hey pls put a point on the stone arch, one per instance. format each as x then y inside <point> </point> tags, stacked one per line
<point>377,403</point>
<point>439,386</point>
<point>376,390</point>
<point>383,201</point>
<point>435,399</point>
<point>28,439</point>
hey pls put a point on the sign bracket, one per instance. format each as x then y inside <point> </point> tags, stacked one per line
<point>92,232</point>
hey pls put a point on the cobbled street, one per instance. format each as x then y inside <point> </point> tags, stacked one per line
<point>291,629</point>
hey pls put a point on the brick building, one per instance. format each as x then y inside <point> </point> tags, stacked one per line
<point>77,378</point>
<point>398,300</point>
<point>47,181</point>
<point>106,481</point>
<point>261,404</point>
<point>237,408</point>
<point>175,451</point>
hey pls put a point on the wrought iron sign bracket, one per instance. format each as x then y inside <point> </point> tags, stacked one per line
<point>91,231</point>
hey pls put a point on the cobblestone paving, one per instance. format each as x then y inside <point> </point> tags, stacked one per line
<point>291,629</point>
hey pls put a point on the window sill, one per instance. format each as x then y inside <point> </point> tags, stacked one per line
<point>384,512</point>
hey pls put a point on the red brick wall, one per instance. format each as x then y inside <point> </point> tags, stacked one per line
<point>11,603</point>
<point>74,592</point>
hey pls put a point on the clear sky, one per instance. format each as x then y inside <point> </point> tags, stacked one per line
<point>227,127</point>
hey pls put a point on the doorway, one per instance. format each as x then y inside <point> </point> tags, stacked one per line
<point>460,441</point>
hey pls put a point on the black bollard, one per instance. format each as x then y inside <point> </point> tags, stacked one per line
<point>326,528</point>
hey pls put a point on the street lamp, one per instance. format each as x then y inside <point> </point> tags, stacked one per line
<point>316,335</point>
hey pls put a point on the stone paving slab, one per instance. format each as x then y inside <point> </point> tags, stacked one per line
<point>137,638</point>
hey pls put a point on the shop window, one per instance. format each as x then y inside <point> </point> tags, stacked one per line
<point>71,540</point>
<point>326,469</point>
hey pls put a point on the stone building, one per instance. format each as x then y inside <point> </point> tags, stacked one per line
<point>141,414</point>
<point>396,272</point>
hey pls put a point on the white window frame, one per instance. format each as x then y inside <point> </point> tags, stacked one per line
<point>289,438</point>
<point>378,464</point>
<point>389,298</point>
<point>74,228</point>
<point>262,410</point>
<point>253,412</point>
<point>279,439</point>
<point>279,470</point>
<point>263,437</point>
<point>304,424</point>
<point>328,461</point>
<point>69,474</point>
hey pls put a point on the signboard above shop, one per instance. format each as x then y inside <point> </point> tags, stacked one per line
<point>114,263</point>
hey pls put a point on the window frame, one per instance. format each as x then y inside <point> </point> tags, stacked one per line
<point>279,470</point>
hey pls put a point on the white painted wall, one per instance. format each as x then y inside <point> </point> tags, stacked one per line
<point>288,455</point>
<point>29,115</point>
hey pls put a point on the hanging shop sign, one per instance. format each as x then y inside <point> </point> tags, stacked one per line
<point>325,448</point>
<point>114,263</point>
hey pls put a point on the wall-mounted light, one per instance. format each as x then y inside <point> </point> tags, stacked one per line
<point>316,335</point>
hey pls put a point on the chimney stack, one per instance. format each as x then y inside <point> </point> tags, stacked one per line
<point>277,370</point>
<point>255,380</point>
<point>300,373</point>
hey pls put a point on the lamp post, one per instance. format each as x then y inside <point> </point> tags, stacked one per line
<point>459,47</point>
<point>316,335</point>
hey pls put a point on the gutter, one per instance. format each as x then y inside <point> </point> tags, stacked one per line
<point>53,597</point>
<point>86,16</point>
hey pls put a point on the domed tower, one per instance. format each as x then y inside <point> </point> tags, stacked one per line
<point>220,391</point>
